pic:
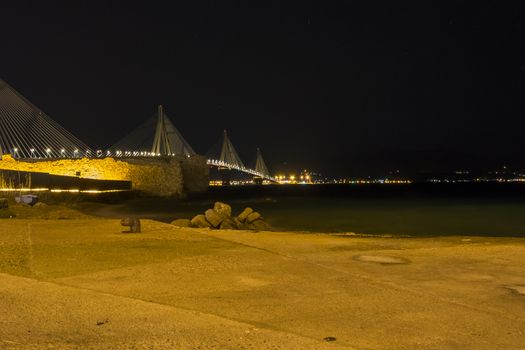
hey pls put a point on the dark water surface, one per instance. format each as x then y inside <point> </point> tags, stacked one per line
<point>495,209</point>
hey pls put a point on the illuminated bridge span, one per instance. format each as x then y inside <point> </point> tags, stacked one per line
<point>158,137</point>
<point>28,133</point>
<point>229,159</point>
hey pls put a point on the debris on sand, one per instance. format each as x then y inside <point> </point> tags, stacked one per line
<point>100,323</point>
<point>133,223</point>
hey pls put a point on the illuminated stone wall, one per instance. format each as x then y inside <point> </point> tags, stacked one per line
<point>196,174</point>
<point>161,177</point>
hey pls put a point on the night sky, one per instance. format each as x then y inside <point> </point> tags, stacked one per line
<point>343,88</point>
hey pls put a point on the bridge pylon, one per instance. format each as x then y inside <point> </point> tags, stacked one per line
<point>224,157</point>
<point>228,153</point>
<point>260,168</point>
<point>157,136</point>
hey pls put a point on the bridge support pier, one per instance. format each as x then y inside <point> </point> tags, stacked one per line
<point>225,175</point>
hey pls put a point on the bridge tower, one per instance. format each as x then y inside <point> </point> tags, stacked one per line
<point>261,168</point>
<point>228,153</point>
<point>161,142</point>
<point>157,136</point>
<point>225,158</point>
<point>230,157</point>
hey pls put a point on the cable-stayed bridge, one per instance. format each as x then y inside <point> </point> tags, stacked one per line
<point>157,136</point>
<point>229,159</point>
<point>28,133</point>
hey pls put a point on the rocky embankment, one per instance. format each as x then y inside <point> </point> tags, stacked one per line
<point>9,209</point>
<point>220,217</point>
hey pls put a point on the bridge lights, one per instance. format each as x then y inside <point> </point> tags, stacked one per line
<point>48,151</point>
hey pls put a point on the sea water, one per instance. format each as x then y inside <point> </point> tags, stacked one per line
<point>491,209</point>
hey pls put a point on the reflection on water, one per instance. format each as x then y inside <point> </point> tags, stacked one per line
<point>416,209</point>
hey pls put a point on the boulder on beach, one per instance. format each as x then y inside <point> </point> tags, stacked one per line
<point>240,225</point>
<point>252,217</point>
<point>228,224</point>
<point>220,217</point>
<point>200,221</point>
<point>222,209</point>
<point>214,218</point>
<point>259,225</point>
<point>242,216</point>
<point>181,222</point>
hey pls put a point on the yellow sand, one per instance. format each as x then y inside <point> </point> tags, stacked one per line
<point>72,284</point>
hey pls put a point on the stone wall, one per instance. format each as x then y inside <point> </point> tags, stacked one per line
<point>196,174</point>
<point>153,176</point>
<point>159,177</point>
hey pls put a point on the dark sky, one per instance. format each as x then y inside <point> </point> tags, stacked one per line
<point>349,87</point>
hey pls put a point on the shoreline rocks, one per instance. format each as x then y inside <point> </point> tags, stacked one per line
<point>244,214</point>
<point>199,221</point>
<point>222,209</point>
<point>253,217</point>
<point>213,217</point>
<point>220,217</point>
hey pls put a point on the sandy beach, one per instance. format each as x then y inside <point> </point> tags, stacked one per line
<point>81,284</point>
